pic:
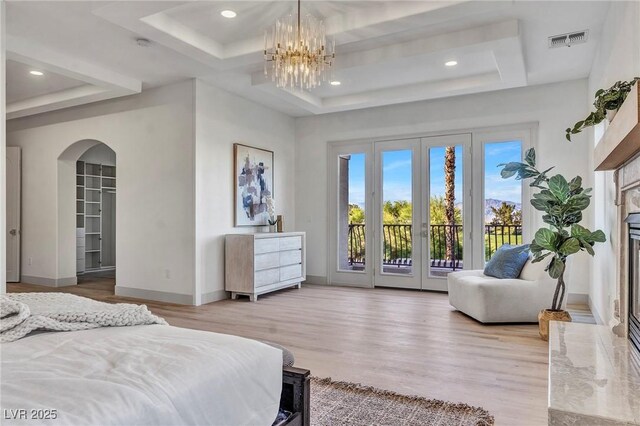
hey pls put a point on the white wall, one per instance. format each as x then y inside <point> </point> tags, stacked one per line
<point>618,58</point>
<point>152,135</point>
<point>3,158</point>
<point>99,154</point>
<point>554,107</point>
<point>221,120</point>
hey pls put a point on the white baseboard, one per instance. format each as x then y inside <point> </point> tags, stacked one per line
<point>49,282</point>
<point>214,296</point>
<point>578,299</point>
<point>315,279</point>
<point>155,295</point>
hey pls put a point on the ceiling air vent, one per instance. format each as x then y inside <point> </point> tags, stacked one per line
<point>569,39</point>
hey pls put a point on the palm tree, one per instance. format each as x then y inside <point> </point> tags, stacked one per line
<point>450,196</point>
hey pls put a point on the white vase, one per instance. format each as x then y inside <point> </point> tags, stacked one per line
<point>273,228</point>
<point>610,114</point>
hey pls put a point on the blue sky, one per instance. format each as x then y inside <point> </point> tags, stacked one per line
<point>496,187</point>
<point>396,166</point>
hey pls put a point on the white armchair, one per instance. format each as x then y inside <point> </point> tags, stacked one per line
<point>494,300</point>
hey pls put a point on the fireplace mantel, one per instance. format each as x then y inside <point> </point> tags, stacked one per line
<point>621,140</point>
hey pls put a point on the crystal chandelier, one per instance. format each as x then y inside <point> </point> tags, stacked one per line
<point>297,52</point>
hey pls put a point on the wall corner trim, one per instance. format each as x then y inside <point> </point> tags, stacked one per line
<point>594,312</point>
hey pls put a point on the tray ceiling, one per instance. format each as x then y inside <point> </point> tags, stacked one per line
<point>387,51</point>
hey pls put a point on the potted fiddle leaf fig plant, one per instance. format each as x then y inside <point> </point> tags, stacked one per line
<point>562,203</point>
<point>607,104</point>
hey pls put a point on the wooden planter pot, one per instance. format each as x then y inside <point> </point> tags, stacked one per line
<point>547,315</point>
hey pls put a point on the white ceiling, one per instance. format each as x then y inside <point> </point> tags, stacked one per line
<point>387,51</point>
<point>24,86</point>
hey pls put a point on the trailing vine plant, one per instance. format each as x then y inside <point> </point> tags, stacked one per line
<point>610,99</point>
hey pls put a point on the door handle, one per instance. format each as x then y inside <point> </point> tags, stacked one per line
<point>13,232</point>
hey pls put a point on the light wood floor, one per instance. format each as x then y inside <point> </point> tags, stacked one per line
<point>407,341</point>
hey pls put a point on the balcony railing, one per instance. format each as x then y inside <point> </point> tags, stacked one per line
<point>397,239</point>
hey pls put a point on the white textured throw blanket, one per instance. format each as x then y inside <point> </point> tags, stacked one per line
<point>22,313</point>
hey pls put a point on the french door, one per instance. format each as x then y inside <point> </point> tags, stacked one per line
<point>446,209</point>
<point>401,212</point>
<point>397,215</point>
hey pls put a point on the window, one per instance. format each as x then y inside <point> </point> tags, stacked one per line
<point>502,197</point>
<point>351,211</point>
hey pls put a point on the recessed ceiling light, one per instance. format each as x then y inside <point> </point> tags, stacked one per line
<point>228,14</point>
<point>335,83</point>
<point>451,63</point>
<point>34,72</point>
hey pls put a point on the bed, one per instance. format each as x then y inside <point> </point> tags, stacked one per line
<point>147,375</point>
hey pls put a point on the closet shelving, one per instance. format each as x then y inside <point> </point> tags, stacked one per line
<point>93,183</point>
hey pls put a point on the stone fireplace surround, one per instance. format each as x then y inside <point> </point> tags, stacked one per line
<point>627,179</point>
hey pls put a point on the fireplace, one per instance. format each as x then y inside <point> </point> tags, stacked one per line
<point>634,279</point>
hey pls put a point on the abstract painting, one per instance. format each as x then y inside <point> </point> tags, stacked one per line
<point>253,172</point>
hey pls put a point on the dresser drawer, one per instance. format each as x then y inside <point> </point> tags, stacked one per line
<point>290,243</point>
<point>266,261</point>
<point>290,257</point>
<point>266,277</point>
<point>266,245</point>
<point>290,272</point>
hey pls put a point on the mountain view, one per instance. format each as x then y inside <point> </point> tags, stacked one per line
<point>490,202</point>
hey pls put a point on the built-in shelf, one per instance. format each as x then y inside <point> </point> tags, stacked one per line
<point>95,189</point>
<point>621,140</point>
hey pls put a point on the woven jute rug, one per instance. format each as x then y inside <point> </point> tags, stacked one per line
<point>344,403</point>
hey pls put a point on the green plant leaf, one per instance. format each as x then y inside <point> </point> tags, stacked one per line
<point>539,204</point>
<point>588,247</point>
<point>545,195</point>
<point>535,248</point>
<point>546,239</point>
<point>575,184</point>
<point>541,257</point>
<point>579,231</point>
<point>570,246</point>
<point>559,186</point>
<point>598,236</point>
<point>577,203</point>
<point>510,169</point>
<point>530,157</point>
<point>556,268</point>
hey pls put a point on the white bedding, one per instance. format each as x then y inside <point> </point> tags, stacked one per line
<point>141,375</point>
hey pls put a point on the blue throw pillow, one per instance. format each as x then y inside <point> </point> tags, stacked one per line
<point>507,261</point>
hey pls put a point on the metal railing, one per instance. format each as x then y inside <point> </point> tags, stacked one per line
<point>397,239</point>
<point>497,235</point>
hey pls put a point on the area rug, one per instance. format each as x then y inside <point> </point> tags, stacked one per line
<point>343,403</point>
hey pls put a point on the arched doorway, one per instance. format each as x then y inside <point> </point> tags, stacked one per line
<point>87,211</point>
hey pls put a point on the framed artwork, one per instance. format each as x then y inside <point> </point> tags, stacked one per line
<point>253,184</point>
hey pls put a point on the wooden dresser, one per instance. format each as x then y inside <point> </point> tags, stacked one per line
<point>256,264</point>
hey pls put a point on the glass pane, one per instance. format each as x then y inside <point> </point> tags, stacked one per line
<point>351,212</point>
<point>503,198</point>
<point>445,210</point>
<point>397,211</point>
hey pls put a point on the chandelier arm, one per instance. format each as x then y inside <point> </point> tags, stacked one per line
<point>299,38</point>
